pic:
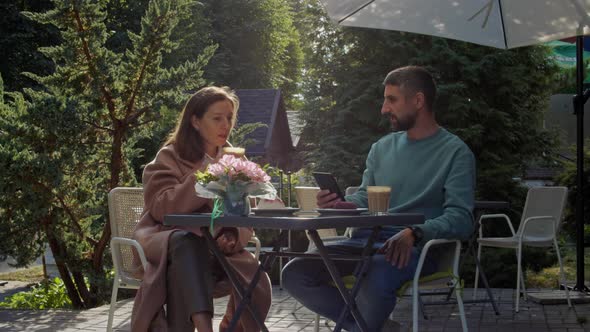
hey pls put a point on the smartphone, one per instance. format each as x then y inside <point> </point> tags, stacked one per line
<point>328,181</point>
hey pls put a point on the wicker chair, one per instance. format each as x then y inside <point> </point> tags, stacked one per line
<point>125,208</point>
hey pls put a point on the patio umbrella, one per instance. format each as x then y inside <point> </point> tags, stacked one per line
<point>495,23</point>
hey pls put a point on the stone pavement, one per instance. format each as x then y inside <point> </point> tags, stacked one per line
<point>287,315</point>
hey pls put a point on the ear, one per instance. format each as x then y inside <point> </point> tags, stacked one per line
<point>195,122</point>
<point>420,100</point>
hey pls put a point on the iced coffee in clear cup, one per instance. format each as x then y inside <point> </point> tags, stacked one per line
<point>378,199</point>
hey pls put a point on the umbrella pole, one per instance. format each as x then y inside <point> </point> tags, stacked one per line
<point>579,100</point>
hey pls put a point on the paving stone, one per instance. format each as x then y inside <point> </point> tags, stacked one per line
<point>487,329</point>
<point>287,315</point>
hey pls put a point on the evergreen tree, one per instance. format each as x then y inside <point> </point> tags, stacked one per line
<point>239,135</point>
<point>19,41</point>
<point>257,50</point>
<point>65,147</point>
<point>259,47</point>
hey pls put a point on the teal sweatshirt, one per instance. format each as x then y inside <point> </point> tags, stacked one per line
<point>434,176</point>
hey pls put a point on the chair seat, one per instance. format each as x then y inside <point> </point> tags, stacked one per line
<point>130,283</point>
<point>264,249</point>
<point>328,240</point>
<point>334,238</point>
<point>432,281</point>
<point>512,242</point>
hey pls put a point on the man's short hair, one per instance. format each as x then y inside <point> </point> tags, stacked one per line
<point>413,79</point>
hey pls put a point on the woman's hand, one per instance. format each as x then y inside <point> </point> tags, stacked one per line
<point>227,240</point>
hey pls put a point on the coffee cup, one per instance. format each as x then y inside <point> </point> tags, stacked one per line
<point>378,199</point>
<point>307,198</point>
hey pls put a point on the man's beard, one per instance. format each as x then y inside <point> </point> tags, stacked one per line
<point>402,124</point>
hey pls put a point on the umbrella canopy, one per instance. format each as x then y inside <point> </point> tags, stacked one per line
<point>496,23</point>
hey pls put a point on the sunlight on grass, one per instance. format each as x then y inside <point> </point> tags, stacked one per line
<point>549,277</point>
<point>33,274</point>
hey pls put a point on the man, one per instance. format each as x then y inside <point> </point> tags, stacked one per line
<point>430,171</point>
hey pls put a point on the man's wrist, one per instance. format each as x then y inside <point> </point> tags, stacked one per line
<point>418,234</point>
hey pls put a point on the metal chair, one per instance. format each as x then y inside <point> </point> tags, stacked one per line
<point>539,225</point>
<point>448,276</point>
<point>125,209</point>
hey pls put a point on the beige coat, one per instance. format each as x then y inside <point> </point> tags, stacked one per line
<point>168,183</point>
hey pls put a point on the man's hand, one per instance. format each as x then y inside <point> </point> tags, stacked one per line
<point>326,200</point>
<point>398,248</point>
<point>227,241</point>
<point>345,205</point>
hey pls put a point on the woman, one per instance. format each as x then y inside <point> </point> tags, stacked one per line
<point>181,272</point>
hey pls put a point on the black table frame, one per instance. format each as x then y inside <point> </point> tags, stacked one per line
<point>311,225</point>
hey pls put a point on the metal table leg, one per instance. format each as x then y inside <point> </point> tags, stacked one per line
<point>245,296</point>
<point>360,273</point>
<point>471,250</point>
<point>337,278</point>
<point>485,283</point>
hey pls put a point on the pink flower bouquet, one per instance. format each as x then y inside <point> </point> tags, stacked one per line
<point>233,180</point>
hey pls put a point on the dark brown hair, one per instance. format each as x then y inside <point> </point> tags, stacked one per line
<point>187,141</point>
<point>414,79</point>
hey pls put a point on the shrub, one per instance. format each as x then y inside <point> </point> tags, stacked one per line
<point>49,294</point>
<point>500,265</point>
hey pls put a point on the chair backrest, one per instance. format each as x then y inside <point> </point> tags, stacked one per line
<point>323,233</point>
<point>351,190</point>
<point>543,201</point>
<point>327,233</point>
<point>445,257</point>
<point>125,209</point>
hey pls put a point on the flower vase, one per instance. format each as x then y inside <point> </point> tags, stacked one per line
<point>236,206</point>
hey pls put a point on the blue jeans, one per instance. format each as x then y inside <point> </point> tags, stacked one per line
<point>310,283</point>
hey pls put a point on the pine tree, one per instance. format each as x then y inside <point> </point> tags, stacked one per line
<point>68,145</point>
<point>19,41</point>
